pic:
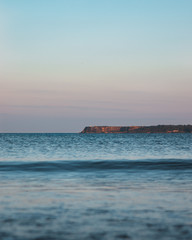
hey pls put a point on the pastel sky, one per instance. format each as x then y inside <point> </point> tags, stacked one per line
<point>68,64</point>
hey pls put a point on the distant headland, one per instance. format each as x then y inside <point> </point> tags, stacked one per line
<point>139,129</point>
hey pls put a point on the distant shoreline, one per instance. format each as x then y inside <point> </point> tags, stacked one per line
<point>139,129</point>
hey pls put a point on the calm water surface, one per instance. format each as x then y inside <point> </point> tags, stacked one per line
<point>95,186</point>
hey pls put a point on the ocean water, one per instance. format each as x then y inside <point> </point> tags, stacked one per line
<point>95,186</point>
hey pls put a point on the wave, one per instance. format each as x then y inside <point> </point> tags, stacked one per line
<point>99,165</point>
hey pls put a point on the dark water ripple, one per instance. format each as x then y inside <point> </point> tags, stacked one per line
<point>99,165</point>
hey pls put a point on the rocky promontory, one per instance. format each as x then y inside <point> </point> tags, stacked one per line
<point>139,129</point>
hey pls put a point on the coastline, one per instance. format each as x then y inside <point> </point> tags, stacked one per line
<point>139,129</point>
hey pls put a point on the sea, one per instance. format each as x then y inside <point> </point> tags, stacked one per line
<point>95,186</point>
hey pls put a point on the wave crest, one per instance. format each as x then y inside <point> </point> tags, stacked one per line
<point>99,165</point>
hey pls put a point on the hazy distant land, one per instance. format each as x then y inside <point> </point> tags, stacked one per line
<point>139,129</point>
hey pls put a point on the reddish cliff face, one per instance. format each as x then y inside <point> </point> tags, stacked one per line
<point>109,129</point>
<point>105,129</point>
<point>139,129</point>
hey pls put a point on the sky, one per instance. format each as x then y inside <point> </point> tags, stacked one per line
<point>66,64</point>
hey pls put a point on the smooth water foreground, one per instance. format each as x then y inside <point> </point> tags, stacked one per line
<point>95,186</point>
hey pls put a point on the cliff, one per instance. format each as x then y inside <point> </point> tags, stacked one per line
<point>139,129</point>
